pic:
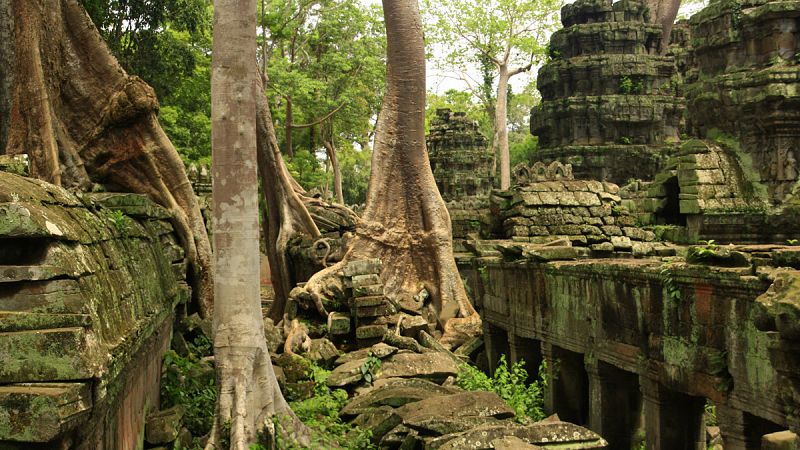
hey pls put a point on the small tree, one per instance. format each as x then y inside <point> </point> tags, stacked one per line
<point>508,36</point>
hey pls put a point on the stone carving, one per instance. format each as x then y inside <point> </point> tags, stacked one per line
<point>540,171</point>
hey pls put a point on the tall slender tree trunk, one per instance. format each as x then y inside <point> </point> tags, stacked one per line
<point>330,149</point>
<point>405,222</point>
<point>249,395</point>
<point>286,213</point>
<point>500,142</point>
<point>289,128</point>
<point>67,103</point>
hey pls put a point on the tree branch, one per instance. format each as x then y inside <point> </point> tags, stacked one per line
<point>320,120</point>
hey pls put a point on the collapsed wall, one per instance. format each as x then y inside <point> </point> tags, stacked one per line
<point>88,290</point>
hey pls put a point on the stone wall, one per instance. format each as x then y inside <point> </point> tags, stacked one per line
<point>609,104</point>
<point>88,289</point>
<point>657,335</point>
<point>584,213</point>
<point>745,82</point>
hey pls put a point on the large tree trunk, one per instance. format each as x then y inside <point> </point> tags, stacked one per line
<point>286,213</point>
<point>249,395</point>
<point>664,12</point>
<point>405,222</point>
<point>81,119</point>
<point>500,141</point>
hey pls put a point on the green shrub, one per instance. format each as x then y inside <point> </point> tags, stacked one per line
<point>321,414</point>
<point>527,400</point>
<point>190,381</point>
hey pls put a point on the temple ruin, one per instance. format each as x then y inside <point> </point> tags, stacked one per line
<point>649,257</point>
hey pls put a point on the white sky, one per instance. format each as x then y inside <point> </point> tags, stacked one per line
<point>440,82</point>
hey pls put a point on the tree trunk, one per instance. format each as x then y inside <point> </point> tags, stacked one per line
<point>330,149</point>
<point>249,395</point>
<point>289,128</point>
<point>664,12</point>
<point>500,141</point>
<point>286,212</point>
<point>81,119</point>
<point>405,222</point>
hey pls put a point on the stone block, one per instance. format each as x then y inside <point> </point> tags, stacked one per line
<point>782,440</point>
<point>621,243</point>
<point>363,267</point>
<point>364,280</point>
<point>412,325</point>
<point>40,412</point>
<point>373,311</point>
<point>371,331</point>
<point>365,302</point>
<point>338,324</point>
<point>164,426</point>
<point>368,291</point>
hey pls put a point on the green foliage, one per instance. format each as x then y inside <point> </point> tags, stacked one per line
<point>321,414</point>
<point>792,241</point>
<point>710,414</point>
<point>307,170</point>
<point>625,140</point>
<point>527,400</point>
<point>327,58</point>
<point>370,367</point>
<point>625,85</point>
<point>190,382</point>
<point>669,285</point>
<point>355,165</point>
<point>706,252</point>
<point>631,85</point>
<point>140,34</point>
<point>120,221</point>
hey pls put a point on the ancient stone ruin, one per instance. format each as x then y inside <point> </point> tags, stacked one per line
<point>609,101</point>
<point>649,259</point>
<point>89,288</point>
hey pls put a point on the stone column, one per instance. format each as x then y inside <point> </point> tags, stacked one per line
<point>549,393</point>
<point>741,430</point>
<point>673,420</point>
<point>528,350</point>
<point>568,388</point>
<point>614,404</point>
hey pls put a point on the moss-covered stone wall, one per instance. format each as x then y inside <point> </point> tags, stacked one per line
<point>88,289</point>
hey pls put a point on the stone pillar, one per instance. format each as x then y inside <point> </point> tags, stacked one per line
<point>615,404</point>
<point>568,387</point>
<point>740,430</point>
<point>549,393</point>
<point>673,420</point>
<point>528,350</point>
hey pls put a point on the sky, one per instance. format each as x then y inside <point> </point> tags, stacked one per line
<point>441,81</point>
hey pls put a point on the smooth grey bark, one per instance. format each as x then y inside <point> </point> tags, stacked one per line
<point>249,396</point>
